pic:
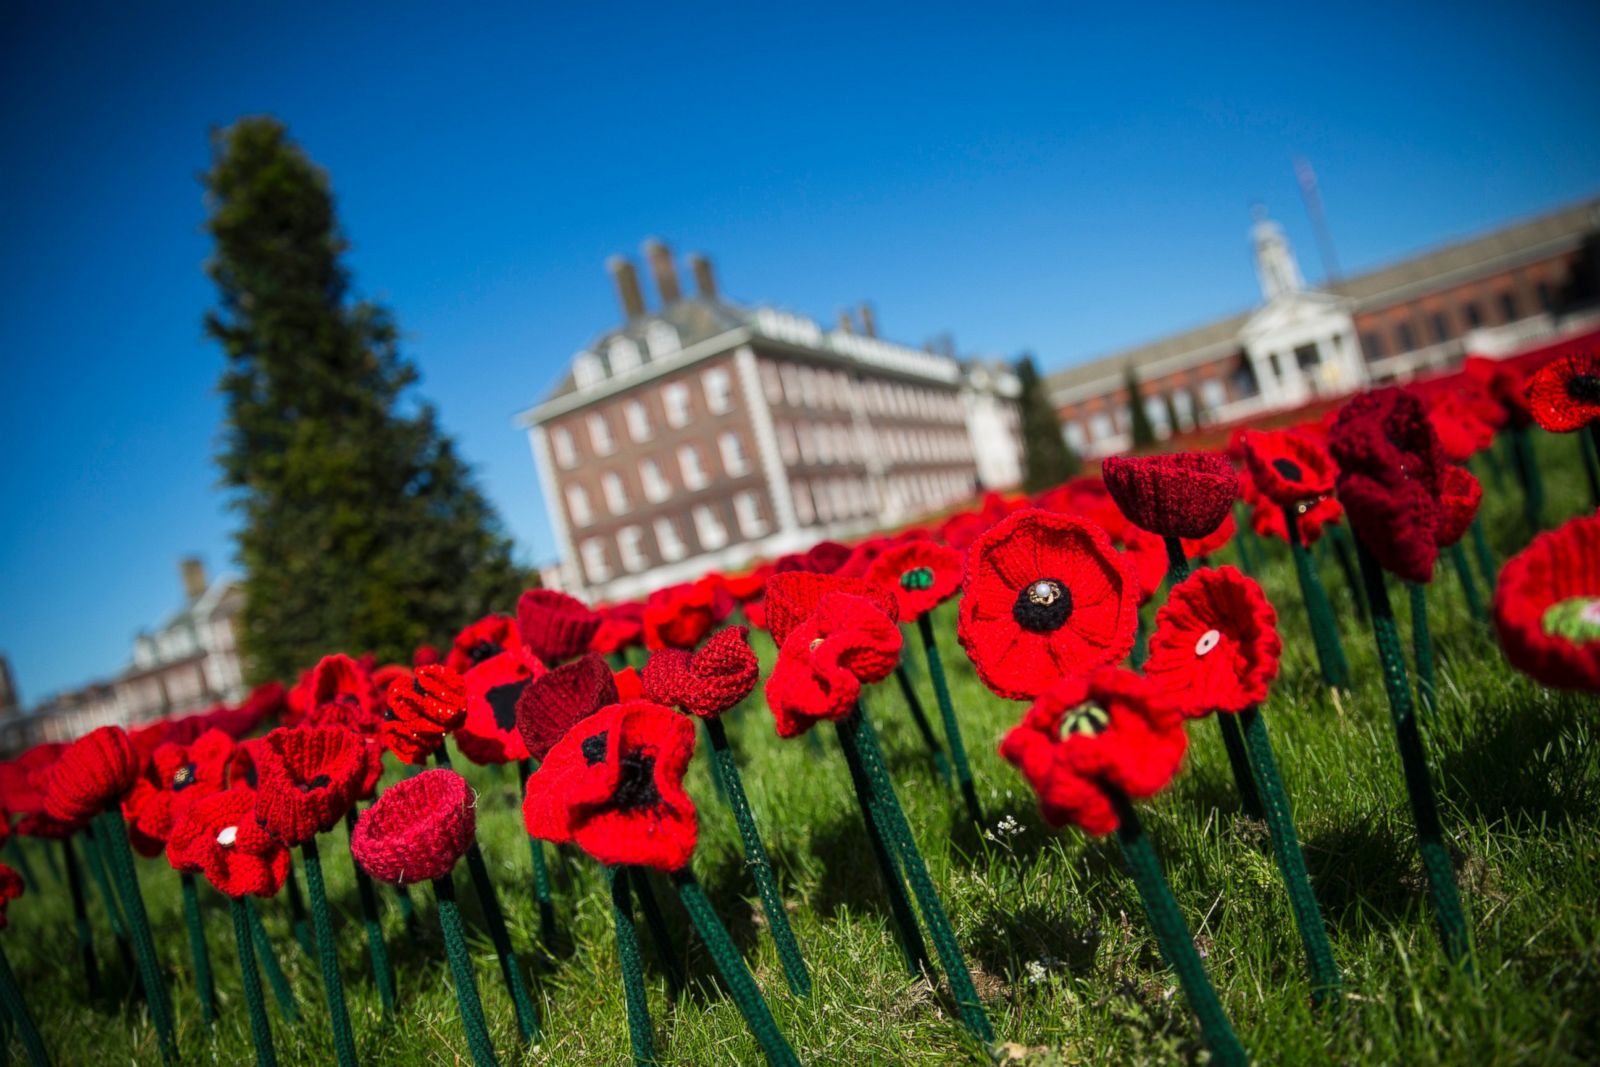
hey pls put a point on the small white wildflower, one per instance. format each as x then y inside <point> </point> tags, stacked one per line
<point>1036,972</point>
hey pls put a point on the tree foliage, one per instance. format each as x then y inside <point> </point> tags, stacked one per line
<point>1139,425</point>
<point>1048,459</point>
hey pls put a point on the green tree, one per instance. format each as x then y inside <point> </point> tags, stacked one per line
<point>1172,413</point>
<point>1144,434</point>
<point>1048,459</point>
<point>362,528</point>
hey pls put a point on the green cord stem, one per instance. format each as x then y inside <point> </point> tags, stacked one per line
<point>80,917</point>
<point>382,975</point>
<point>1469,587</point>
<point>408,912</point>
<point>1141,640</point>
<point>102,881</point>
<point>947,712</point>
<point>541,873</point>
<point>1324,632</point>
<point>276,979</point>
<point>120,858</point>
<point>1588,444</point>
<point>716,777</point>
<point>760,864</point>
<point>1244,778</point>
<point>1344,553</point>
<point>344,1040</point>
<point>1419,788</point>
<point>1528,472</point>
<point>204,988</point>
<point>260,1029</point>
<point>297,913</point>
<point>920,718</point>
<point>1422,650</point>
<point>16,1008</point>
<point>656,923</point>
<point>1325,978</point>
<point>632,965</point>
<point>455,947</point>
<point>1244,535</point>
<point>746,994</point>
<point>1172,934</point>
<point>494,918</point>
<point>1177,562</point>
<point>1484,556</point>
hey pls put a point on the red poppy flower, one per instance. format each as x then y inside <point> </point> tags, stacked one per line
<point>421,711</point>
<point>1215,542</point>
<point>555,626</point>
<point>554,703</point>
<point>1504,385</point>
<point>708,682</point>
<point>1267,519</point>
<point>484,639</point>
<point>92,774</point>
<point>1547,607</point>
<point>333,678</point>
<point>11,888</point>
<point>1216,646</point>
<point>614,785</point>
<point>681,615</point>
<point>1286,468</point>
<point>175,777</point>
<point>424,656</point>
<point>630,685</point>
<point>793,596</point>
<point>959,531</point>
<point>25,780</point>
<point>847,641</point>
<point>1185,494</point>
<point>489,733</point>
<point>307,778</point>
<point>863,555</point>
<point>1390,468</point>
<point>1087,498</point>
<point>1461,431</point>
<point>621,626</point>
<point>1045,595</point>
<point>747,587</point>
<point>921,575</point>
<point>1084,734</point>
<point>1564,394</point>
<point>417,829</point>
<point>1459,497</point>
<point>1145,555</point>
<point>218,836</point>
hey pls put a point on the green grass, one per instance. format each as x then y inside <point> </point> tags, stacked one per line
<point>1051,926</point>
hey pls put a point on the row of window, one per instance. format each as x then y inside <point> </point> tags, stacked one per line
<point>929,492</point>
<point>710,532</point>
<point>1103,425</point>
<point>623,355</point>
<point>825,500</point>
<point>825,443</point>
<point>653,483</point>
<point>716,385</point>
<point>1441,326</point>
<point>824,389</point>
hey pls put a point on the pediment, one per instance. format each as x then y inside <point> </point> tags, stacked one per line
<point>1295,312</point>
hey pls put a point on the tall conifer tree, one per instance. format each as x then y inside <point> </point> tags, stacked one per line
<point>1139,424</point>
<point>1048,458</point>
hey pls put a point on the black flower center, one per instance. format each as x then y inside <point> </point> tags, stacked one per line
<point>594,748</point>
<point>319,782</point>
<point>503,702</point>
<point>1584,388</point>
<point>1288,468</point>
<point>1086,720</point>
<point>481,651</point>
<point>917,578</point>
<point>183,777</point>
<point>1043,606</point>
<point>636,784</point>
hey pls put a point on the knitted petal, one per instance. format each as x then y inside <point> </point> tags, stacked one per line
<point>417,830</point>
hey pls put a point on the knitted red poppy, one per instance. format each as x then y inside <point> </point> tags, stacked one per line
<point>1459,497</point>
<point>793,596</point>
<point>489,733</point>
<point>91,775</point>
<point>614,785</point>
<point>307,778</point>
<point>425,655</point>
<point>1215,541</point>
<point>847,641</point>
<point>25,780</point>
<point>1045,595</point>
<point>630,685</point>
<point>621,626</point>
<point>1081,735</point>
<point>1087,498</point>
<point>554,703</point>
<point>175,777</point>
<point>1504,385</point>
<point>555,626</point>
<point>484,639</point>
<point>864,554</point>
<point>417,829</point>
<point>959,531</point>
<point>1185,494</point>
<point>1215,646</point>
<point>1313,517</point>
<point>334,678</point>
<point>1390,469</point>
<point>219,837</point>
<point>1287,468</point>
<point>1462,433</point>
<point>422,711</point>
<point>1564,394</point>
<point>680,616</point>
<point>747,587</point>
<point>1547,607</point>
<point>921,575</point>
<point>704,683</point>
<point>11,888</point>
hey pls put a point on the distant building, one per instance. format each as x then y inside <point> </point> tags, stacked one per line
<point>1487,295</point>
<point>705,434</point>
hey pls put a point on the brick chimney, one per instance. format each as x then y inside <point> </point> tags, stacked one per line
<point>705,281</point>
<point>869,321</point>
<point>193,570</point>
<point>627,282</point>
<point>663,271</point>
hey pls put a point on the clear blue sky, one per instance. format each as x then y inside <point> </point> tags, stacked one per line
<point>1027,178</point>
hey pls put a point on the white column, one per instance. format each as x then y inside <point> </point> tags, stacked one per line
<point>777,477</point>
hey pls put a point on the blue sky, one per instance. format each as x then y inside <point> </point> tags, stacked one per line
<point>1027,177</point>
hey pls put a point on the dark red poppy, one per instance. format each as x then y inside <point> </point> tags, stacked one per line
<point>307,778</point>
<point>1505,386</point>
<point>621,626</point>
<point>630,684</point>
<point>484,639</point>
<point>25,780</point>
<point>1390,471</point>
<point>422,710</point>
<point>1459,497</point>
<point>846,642</point>
<point>91,775</point>
<point>1547,607</point>
<point>1185,494</point>
<point>1564,394</point>
<point>1287,468</point>
<point>267,701</point>
<point>417,829</point>
<point>219,837</point>
<point>1045,595</point>
<point>1215,646</point>
<point>1462,433</point>
<point>554,703</point>
<point>489,733</point>
<point>1267,518</point>
<point>334,678</point>
<point>707,682</point>
<point>681,615</point>
<point>747,587</point>
<point>11,888</point>
<point>555,626</point>
<point>792,597</point>
<point>614,786</point>
<point>921,575</point>
<point>863,555</point>
<point>151,736</point>
<point>175,777</point>
<point>1084,734</point>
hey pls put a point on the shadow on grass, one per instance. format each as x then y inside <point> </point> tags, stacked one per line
<point>1364,871</point>
<point>1528,768</point>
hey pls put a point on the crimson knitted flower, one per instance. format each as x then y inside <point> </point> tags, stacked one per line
<point>1312,517</point>
<point>218,835</point>
<point>960,530</point>
<point>1459,497</point>
<point>621,626</point>
<point>1462,432</point>
<point>1547,607</point>
<point>175,777</point>
<point>307,778</point>
<point>417,829</point>
<point>793,596</point>
<point>425,655</point>
<point>489,732</point>
<point>614,786</point>
<point>484,639</point>
<point>25,780</point>
<point>847,641</point>
<point>1287,468</point>
<point>555,626</point>
<point>91,775</point>
<point>1505,386</point>
<point>921,575</point>
<point>11,888</point>
<point>1215,646</point>
<point>630,685</point>
<point>1045,595</point>
<point>708,682</point>
<point>748,587</point>
<point>554,703</point>
<point>1390,469</point>
<point>334,678</point>
<point>865,553</point>
<point>680,616</point>
<point>1564,394</point>
<point>1084,734</point>
<point>1215,541</point>
<point>1185,494</point>
<point>421,712</point>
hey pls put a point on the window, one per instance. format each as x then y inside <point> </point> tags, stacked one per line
<point>616,496</point>
<point>786,444</point>
<point>1474,315</point>
<point>803,512</point>
<point>623,354</point>
<point>587,370</point>
<point>747,510</point>
<point>594,560</point>
<point>1100,427</point>
<point>561,441</point>
<point>694,474</point>
<point>661,338</point>
<point>824,438</point>
<point>600,435</point>
<point>808,386</point>
<point>1372,345</point>
<point>1508,306</point>
<point>1073,433</point>
<point>1213,394</point>
<point>708,529</point>
<point>808,448</point>
<point>668,542</point>
<point>1546,299</point>
<point>675,398</point>
<point>718,389</point>
<point>791,384</point>
<point>578,506</point>
<point>630,550</point>
<point>1403,337</point>
<point>1441,327</point>
<point>638,419</point>
<point>1307,356</point>
<point>733,459</point>
<point>651,480</point>
<point>770,384</point>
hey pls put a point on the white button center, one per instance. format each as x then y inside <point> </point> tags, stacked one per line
<point>1207,642</point>
<point>228,836</point>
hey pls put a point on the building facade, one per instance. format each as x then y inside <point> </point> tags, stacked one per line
<point>704,434</point>
<point>1489,295</point>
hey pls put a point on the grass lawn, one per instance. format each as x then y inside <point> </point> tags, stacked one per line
<point>1051,926</point>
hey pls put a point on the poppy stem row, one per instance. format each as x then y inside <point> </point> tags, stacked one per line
<point>205,990</point>
<point>947,711</point>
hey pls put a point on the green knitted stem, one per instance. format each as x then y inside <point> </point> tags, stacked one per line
<point>632,964</point>
<point>260,1029</point>
<point>297,913</point>
<point>905,920</point>
<point>1345,554</point>
<point>102,881</point>
<point>80,916</point>
<point>1243,536</point>
<point>1484,556</point>
<point>1419,787</point>
<point>344,1040</point>
<point>1588,442</point>
<point>494,918</point>
<point>1243,778</point>
<point>746,994</point>
<point>716,777</point>
<point>276,979</point>
<point>1469,587</point>
<point>120,858</point>
<point>455,947</point>
<point>856,731</point>
<point>541,873</point>
<point>1532,479</point>
<point>755,857</point>
<point>947,712</point>
<point>1422,650</point>
<point>920,717</point>
<point>408,912</point>
<point>1497,470</point>
<point>1177,562</point>
<point>1325,980</point>
<point>376,948</point>
<point>203,986</point>
<point>1141,640</point>
<point>17,1009</point>
<point>1324,632</point>
<point>656,923</point>
<point>1172,933</point>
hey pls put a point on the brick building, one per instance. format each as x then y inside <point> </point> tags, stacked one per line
<point>706,434</point>
<point>1488,295</point>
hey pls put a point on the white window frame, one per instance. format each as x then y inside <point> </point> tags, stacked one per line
<point>734,460</point>
<point>615,492</point>
<point>630,549</point>
<point>668,542</point>
<point>717,385</point>
<point>692,468</point>
<point>675,400</point>
<point>578,506</point>
<point>600,435</point>
<point>747,512</point>
<point>595,567</point>
<point>708,528</point>
<point>566,452</point>
<point>654,484</point>
<point>637,416</point>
